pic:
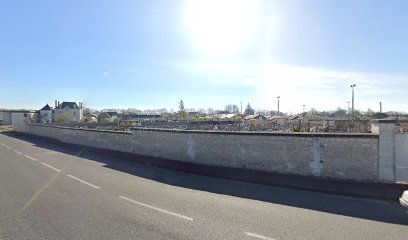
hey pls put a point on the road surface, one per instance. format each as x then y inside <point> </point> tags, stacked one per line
<point>53,191</point>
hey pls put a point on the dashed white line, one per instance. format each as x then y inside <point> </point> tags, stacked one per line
<point>30,158</point>
<point>47,153</point>
<point>18,152</point>
<point>53,168</point>
<point>1,144</point>
<point>156,208</point>
<point>254,235</point>
<point>85,182</point>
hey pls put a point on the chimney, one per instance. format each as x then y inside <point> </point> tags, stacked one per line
<point>55,106</point>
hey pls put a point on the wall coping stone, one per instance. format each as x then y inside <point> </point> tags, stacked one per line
<point>241,133</point>
<point>384,121</point>
<point>284,134</point>
<point>80,129</point>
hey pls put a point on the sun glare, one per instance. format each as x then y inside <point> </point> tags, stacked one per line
<point>219,27</point>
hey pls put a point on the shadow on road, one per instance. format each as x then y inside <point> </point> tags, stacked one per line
<point>354,207</point>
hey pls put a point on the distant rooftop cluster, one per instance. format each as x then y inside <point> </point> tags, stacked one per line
<point>73,113</point>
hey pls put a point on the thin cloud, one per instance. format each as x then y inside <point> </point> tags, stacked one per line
<point>106,75</point>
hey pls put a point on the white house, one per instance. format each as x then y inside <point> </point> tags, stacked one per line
<point>11,116</point>
<point>46,114</point>
<point>68,112</point>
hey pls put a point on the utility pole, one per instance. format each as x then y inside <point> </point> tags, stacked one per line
<point>348,110</point>
<point>278,104</point>
<point>380,107</point>
<point>241,108</point>
<point>304,108</point>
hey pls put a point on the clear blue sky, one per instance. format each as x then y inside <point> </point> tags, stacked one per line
<point>151,54</point>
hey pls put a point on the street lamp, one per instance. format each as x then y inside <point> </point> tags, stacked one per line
<point>348,110</point>
<point>352,101</point>
<point>352,106</point>
<point>278,104</point>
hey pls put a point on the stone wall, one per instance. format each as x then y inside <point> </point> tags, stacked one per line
<point>337,156</point>
<point>386,156</point>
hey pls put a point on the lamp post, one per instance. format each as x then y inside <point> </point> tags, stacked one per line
<point>352,101</point>
<point>352,106</point>
<point>380,107</point>
<point>278,104</point>
<point>348,110</point>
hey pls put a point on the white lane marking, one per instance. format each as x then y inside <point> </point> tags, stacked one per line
<point>7,147</point>
<point>47,153</point>
<point>1,144</point>
<point>85,182</point>
<point>53,168</point>
<point>18,152</point>
<point>30,158</point>
<point>254,235</point>
<point>156,208</point>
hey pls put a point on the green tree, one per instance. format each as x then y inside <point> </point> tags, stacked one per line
<point>181,106</point>
<point>312,114</point>
<point>183,115</point>
<point>63,118</point>
<point>339,113</point>
<point>249,110</point>
<point>230,108</point>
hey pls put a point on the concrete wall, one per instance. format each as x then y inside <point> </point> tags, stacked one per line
<point>118,141</point>
<point>5,118</point>
<point>386,156</point>
<point>401,157</point>
<point>20,117</point>
<point>338,156</point>
<point>334,156</point>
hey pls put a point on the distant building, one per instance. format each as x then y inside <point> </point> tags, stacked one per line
<point>280,120</point>
<point>68,112</point>
<point>46,114</point>
<point>255,117</point>
<point>107,117</point>
<point>141,117</point>
<point>195,114</point>
<point>229,117</point>
<point>12,116</point>
<point>295,119</point>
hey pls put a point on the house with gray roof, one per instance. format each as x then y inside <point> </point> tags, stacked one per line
<point>68,112</point>
<point>46,114</point>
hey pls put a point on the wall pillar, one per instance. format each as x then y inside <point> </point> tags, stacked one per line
<point>386,130</point>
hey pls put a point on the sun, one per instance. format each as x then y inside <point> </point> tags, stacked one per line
<point>220,27</point>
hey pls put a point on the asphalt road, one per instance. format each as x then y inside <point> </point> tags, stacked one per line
<point>53,191</point>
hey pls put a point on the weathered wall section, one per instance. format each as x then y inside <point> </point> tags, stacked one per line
<point>118,141</point>
<point>340,156</point>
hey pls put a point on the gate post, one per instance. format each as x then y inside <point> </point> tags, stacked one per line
<point>386,130</point>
